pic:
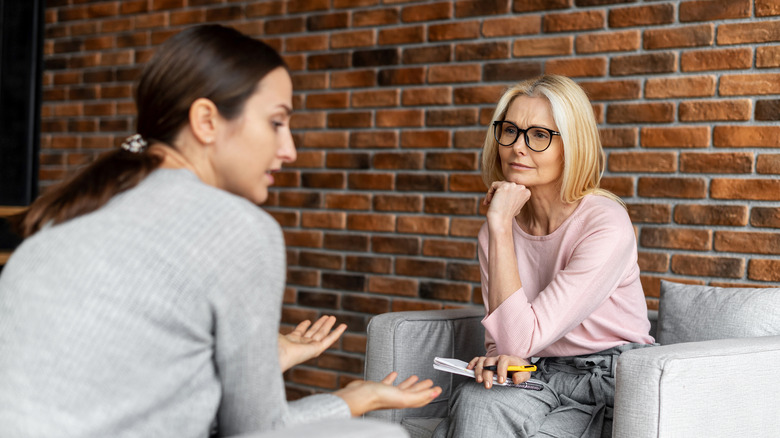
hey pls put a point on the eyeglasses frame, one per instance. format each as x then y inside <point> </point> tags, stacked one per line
<point>497,123</point>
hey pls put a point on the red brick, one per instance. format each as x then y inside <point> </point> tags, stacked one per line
<point>354,79</point>
<point>678,137</point>
<point>765,217</point>
<point>618,137</point>
<point>423,225</point>
<point>299,199</point>
<point>768,164</point>
<point>676,238</point>
<point>450,248</point>
<point>689,36</point>
<point>350,119</point>
<point>376,265</point>
<point>747,242</point>
<point>652,187</point>
<point>408,305</point>
<point>306,43</point>
<point>474,8</point>
<point>755,189</point>
<point>719,110</point>
<point>737,162</point>
<point>723,59</point>
<point>380,98</point>
<point>451,117</point>
<point>317,219</point>
<point>346,242</point>
<point>656,62</point>
<point>750,32</point>
<point>746,136</point>
<point>740,85</point>
<point>395,245</point>
<point>427,96</point>
<point>371,181</point>
<point>706,266</point>
<point>355,38</point>
<point>539,5</point>
<point>650,213</point>
<point>462,30</point>
<point>653,261</point>
<point>463,272</point>
<point>469,139</point>
<point>574,21</point>
<point>398,160</point>
<point>764,270</point>
<point>402,35</point>
<point>608,42</point>
<point>426,55</point>
<point>312,239</point>
<point>767,7</point>
<point>398,118</point>
<point>425,139</point>
<point>406,203</point>
<point>371,222</point>
<point>451,161</point>
<point>519,25</point>
<point>549,46</point>
<point>375,17</point>
<point>347,201</point>
<point>438,74</point>
<point>373,139</point>
<point>577,67</point>
<point>324,139</point>
<point>710,10</point>
<point>482,51</point>
<point>640,113</point>
<point>641,16</point>
<point>696,214</point>
<point>464,182</point>
<point>327,100</point>
<point>324,260</point>
<point>401,76</point>
<point>393,286</point>
<point>642,162</point>
<point>445,291</point>
<point>511,71</point>
<point>308,120</point>
<point>427,12</point>
<point>348,160</point>
<point>423,182</point>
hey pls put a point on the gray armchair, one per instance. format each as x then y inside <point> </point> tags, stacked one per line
<point>716,373</point>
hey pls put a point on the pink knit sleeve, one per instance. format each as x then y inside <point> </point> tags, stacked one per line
<point>600,257</point>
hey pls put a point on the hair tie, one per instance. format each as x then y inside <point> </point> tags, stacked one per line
<point>135,144</point>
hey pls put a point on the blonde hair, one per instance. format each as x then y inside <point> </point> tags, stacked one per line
<point>583,157</point>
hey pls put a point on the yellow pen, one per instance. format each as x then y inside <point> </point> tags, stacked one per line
<point>521,368</point>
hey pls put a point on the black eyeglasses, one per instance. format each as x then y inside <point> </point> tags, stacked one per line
<point>537,139</point>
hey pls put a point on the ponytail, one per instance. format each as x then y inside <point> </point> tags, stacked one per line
<point>89,189</point>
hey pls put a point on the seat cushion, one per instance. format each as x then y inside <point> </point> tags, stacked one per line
<point>690,313</point>
<point>420,427</point>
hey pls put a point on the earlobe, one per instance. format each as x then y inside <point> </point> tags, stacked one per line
<point>203,118</point>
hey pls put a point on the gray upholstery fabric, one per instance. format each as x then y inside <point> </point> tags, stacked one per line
<point>343,428</point>
<point>690,313</point>
<point>715,389</point>
<point>407,342</point>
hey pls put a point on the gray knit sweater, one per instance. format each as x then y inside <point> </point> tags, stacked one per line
<point>155,316</point>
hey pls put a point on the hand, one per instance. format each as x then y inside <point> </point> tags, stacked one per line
<point>501,362</point>
<point>506,199</point>
<point>308,341</point>
<point>363,396</point>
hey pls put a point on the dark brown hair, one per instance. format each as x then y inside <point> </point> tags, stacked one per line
<point>209,61</point>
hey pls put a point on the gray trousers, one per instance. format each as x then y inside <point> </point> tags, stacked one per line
<point>576,401</point>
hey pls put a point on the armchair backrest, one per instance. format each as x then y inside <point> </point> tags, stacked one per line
<point>690,313</point>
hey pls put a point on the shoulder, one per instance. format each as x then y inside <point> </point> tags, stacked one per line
<point>597,210</point>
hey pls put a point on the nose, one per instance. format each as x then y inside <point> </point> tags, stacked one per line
<point>287,152</point>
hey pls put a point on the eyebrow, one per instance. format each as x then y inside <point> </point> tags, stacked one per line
<point>285,108</point>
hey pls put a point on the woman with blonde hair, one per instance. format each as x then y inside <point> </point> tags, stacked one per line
<point>560,279</point>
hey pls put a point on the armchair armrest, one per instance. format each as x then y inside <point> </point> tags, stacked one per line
<point>407,342</point>
<point>720,388</point>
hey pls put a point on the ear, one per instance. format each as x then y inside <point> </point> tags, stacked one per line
<point>204,120</point>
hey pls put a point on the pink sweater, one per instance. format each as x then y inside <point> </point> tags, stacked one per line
<point>581,292</point>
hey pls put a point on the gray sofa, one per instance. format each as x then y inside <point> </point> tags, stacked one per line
<point>715,374</point>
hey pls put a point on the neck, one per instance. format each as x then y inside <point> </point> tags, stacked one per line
<point>544,213</point>
<point>184,155</point>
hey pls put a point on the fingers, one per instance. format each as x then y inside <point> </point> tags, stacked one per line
<point>301,328</point>
<point>321,327</point>
<point>390,378</point>
<point>411,381</point>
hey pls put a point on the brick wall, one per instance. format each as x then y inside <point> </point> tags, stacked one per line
<point>392,97</point>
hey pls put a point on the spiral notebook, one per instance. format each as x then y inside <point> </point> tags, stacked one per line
<point>457,366</point>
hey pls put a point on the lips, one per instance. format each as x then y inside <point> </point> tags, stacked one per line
<point>520,166</point>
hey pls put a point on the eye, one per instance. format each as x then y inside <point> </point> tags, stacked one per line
<point>539,133</point>
<point>276,124</point>
<point>509,129</point>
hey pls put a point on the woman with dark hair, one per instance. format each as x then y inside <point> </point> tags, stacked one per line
<point>146,297</point>
<point>560,280</point>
